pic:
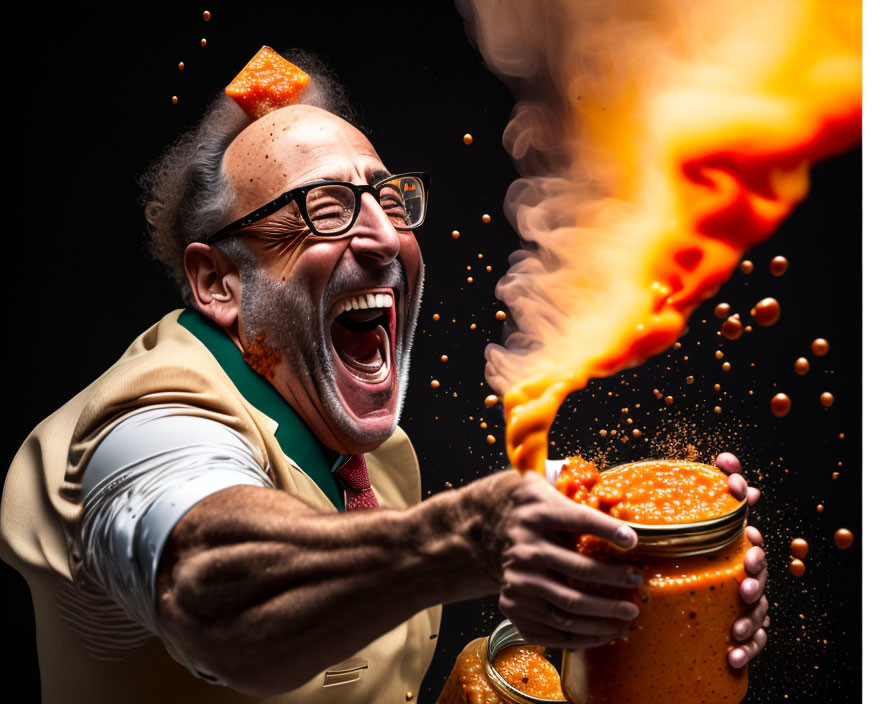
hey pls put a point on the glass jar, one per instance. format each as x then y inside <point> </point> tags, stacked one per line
<point>676,651</point>
<point>477,674</point>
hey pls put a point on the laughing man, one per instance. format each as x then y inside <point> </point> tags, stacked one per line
<point>230,513</point>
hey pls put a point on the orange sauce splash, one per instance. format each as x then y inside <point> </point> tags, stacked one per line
<point>674,136</point>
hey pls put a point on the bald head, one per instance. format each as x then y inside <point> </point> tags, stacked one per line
<point>292,146</point>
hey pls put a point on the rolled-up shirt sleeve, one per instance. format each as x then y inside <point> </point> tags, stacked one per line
<point>142,478</point>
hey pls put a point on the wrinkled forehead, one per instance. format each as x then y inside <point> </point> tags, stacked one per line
<point>294,145</point>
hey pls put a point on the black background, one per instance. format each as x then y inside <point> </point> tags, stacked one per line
<point>90,101</point>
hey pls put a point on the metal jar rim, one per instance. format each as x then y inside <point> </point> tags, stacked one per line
<point>686,539</point>
<point>504,636</point>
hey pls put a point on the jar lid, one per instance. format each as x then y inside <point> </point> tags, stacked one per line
<point>685,539</point>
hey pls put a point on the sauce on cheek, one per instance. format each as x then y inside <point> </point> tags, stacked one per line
<point>261,357</point>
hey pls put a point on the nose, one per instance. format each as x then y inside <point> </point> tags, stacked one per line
<point>374,239</point>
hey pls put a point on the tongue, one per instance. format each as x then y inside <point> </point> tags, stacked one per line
<point>360,346</point>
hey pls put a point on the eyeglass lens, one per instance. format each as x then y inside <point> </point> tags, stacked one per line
<point>331,207</point>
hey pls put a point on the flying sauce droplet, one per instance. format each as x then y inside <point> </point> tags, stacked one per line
<point>174,100</point>
<point>444,357</point>
<point>490,439</point>
<point>780,405</point>
<point>434,383</point>
<point>455,234</point>
<point>778,266</point>
<point>820,347</point>
<point>435,316</point>
<point>797,568</point>
<point>491,400</point>
<point>500,315</point>
<point>843,538</point>
<point>746,266</point>
<point>766,312</point>
<point>732,328</point>
<point>827,399</point>
<point>801,366</point>
<point>723,310</point>
<point>486,218</point>
<point>468,138</point>
<point>726,367</point>
<point>180,66</point>
<point>669,400</point>
<point>690,380</point>
<point>203,43</point>
<point>799,548</point>
<point>206,15</point>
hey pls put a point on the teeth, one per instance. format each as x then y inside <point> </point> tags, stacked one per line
<point>365,301</point>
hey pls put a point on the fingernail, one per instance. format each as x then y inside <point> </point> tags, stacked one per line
<point>625,537</point>
<point>630,611</point>
<point>736,657</point>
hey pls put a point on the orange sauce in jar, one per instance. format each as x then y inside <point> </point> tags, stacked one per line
<point>524,667</point>
<point>690,553</point>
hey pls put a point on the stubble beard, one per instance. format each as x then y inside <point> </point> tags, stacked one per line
<point>294,324</point>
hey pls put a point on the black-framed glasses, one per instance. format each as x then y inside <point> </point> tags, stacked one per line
<point>330,208</point>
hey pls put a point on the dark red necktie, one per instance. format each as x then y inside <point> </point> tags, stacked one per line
<point>352,475</point>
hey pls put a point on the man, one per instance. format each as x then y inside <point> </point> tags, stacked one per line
<point>235,488</point>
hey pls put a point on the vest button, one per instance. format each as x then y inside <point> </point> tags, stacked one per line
<point>409,696</point>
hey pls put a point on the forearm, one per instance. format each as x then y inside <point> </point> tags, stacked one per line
<point>249,573</point>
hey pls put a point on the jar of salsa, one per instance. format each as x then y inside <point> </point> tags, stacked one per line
<point>690,552</point>
<point>502,669</point>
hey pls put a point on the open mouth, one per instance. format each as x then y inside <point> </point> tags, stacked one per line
<point>363,334</point>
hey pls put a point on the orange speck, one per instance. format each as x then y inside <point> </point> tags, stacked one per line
<point>820,508</point>
<point>820,347</point>
<point>500,315</point>
<point>723,310</point>
<point>490,439</point>
<point>843,538</point>
<point>732,328</point>
<point>444,357</point>
<point>746,266</point>
<point>766,312</point>
<point>827,399</point>
<point>719,354</point>
<point>435,316</point>
<point>203,43</point>
<point>488,268</point>
<point>174,100</point>
<point>472,326</point>
<point>468,138</point>
<point>180,66</point>
<point>780,405</point>
<point>778,266</point>
<point>486,218</point>
<point>491,400</point>
<point>206,15</point>
<point>469,279</point>
<point>434,383</point>
<point>801,366</point>
<point>669,400</point>
<point>726,366</point>
<point>797,568</point>
<point>689,380</point>
<point>455,234</point>
<point>717,409</point>
<point>799,548</point>
<point>483,425</point>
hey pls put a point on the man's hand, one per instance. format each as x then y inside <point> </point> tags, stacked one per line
<point>536,561</point>
<point>750,629</point>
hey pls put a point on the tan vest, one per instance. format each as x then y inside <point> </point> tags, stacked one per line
<point>39,525</point>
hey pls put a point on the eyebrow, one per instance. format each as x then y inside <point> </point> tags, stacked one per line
<point>380,174</point>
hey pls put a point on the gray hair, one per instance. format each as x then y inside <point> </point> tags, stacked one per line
<point>187,197</point>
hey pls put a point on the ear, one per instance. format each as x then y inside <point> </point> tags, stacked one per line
<point>215,281</point>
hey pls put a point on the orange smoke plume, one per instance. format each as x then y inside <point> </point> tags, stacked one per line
<point>657,141</point>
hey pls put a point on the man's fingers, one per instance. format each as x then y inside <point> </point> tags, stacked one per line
<point>754,536</point>
<point>546,556</point>
<point>544,626</point>
<point>737,486</point>
<point>754,560</point>
<point>576,518</point>
<point>728,463</point>
<point>744,628</point>
<point>524,588</point>
<point>751,589</point>
<point>752,495</point>
<point>740,656</point>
